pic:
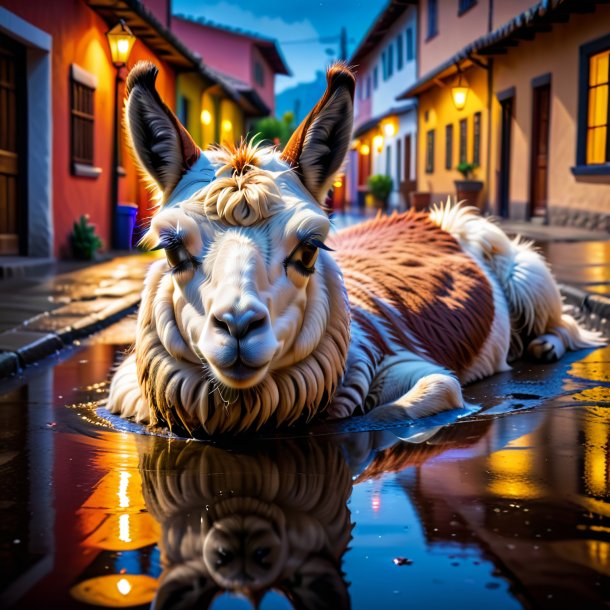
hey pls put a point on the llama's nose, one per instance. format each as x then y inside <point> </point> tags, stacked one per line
<point>239,323</point>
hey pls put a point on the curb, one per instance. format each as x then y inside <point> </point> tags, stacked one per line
<point>21,346</point>
<point>590,309</point>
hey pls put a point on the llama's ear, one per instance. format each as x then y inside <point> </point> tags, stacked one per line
<point>162,146</point>
<point>319,145</point>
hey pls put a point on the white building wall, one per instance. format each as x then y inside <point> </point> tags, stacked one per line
<point>376,102</point>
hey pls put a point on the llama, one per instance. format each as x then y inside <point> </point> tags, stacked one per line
<point>257,316</point>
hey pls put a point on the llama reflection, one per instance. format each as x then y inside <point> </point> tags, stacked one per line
<point>249,522</point>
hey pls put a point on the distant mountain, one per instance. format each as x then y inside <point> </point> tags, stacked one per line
<point>301,98</point>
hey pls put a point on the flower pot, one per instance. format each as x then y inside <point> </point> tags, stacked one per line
<point>378,203</point>
<point>419,200</point>
<point>469,191</point>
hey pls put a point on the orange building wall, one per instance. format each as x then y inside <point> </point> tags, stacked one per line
<point>79,37</point>
<point>557,53</point>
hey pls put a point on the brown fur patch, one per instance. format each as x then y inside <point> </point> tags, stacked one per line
<point>431,296</point>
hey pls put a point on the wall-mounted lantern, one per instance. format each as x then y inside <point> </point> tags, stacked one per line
<point>459,92</point>
<point>121,41</point>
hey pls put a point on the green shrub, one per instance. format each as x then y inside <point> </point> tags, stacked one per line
<point>466,169</point>
<point>380,186</point>
<point>85,243</point>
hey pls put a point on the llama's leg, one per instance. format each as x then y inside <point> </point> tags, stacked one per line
<point>566,335</point>
<point>414,388</point>
<point>125,398</point>
<point>535,302</point>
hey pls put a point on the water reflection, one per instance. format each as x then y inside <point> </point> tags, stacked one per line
<point>503,512</point>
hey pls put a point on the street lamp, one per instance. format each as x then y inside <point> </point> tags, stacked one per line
<point>459,93</point>
<point>121,41</point>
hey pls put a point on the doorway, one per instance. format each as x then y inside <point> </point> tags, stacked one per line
<point>12,142</point>
<point>540,150</point>
<point>505,139</point>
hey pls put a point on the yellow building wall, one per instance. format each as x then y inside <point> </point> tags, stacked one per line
<point>191,86</point>
<point>231,122</point>
<point>208,130</point>
<point>557,53</point>
<point>436,110</point>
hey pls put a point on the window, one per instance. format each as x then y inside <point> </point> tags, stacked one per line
<point>464,141</point>
<point>259,73</point>
<point>465,5</point>
<point>388,160</point>
<point>384,66</point>
<point>390,60</point>
<point>375,77</point>
<point>430,152</point>
<point>432,18</point>
<point>409,45</point>
<point>597,115</point>
<point>398,161</point>
<point>593,146</point>
<point>476,139</point>
<point>368,86</point>
<point>82,121</point>
<point>399,53</point>
<point>449,147</point>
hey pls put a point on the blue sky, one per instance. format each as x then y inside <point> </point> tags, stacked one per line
<point>292,21</point>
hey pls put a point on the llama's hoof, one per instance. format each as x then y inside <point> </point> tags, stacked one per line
<point>544,349</point>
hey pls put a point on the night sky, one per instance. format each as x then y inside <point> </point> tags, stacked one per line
<point>290,22</point>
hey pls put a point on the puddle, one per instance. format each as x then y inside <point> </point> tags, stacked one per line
<point>505,508</point>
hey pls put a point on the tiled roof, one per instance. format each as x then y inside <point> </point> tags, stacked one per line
<point>268,47</point>
<point>372,123</point>
<point>525,26</point>
<point>247,96</point>
<point>391,12</point>
<point>156,36</point>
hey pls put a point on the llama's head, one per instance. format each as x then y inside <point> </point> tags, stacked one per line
<point>248,294</point>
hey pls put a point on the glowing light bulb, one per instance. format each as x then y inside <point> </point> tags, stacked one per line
<point>206,117</point>
<point>227,125</point>
<point>123,45</point>
<point>123,586</point>
<point>365,150</point>
<point>378,142</point>
<point>389,129</point>
<point>337,184</point>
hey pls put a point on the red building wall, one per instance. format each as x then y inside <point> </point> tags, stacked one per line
<point>79,37</point>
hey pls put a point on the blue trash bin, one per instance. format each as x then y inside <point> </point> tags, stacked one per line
<point>125,221</point>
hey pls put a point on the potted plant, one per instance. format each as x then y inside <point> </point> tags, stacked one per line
<point>380,186</point>
<point>468,190</point>
<point>85,243</point>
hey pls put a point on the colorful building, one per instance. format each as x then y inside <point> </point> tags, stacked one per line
<point>59,83</point>
<point>241,62</point>
<point>518,90</point>
<point>384,129</point>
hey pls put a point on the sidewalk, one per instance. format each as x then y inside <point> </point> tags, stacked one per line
<point>41,315</point>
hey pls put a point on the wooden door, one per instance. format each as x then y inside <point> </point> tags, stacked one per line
<point>540,150</point>
<point>504,173</point>
<point>12,141</point>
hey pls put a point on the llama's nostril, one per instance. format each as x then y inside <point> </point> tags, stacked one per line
<point>221,324</point>
<point>241,324</point>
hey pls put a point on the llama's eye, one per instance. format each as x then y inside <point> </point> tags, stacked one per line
<point>177,255</point>
<point>302,258</point>
<point>309,254</point>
